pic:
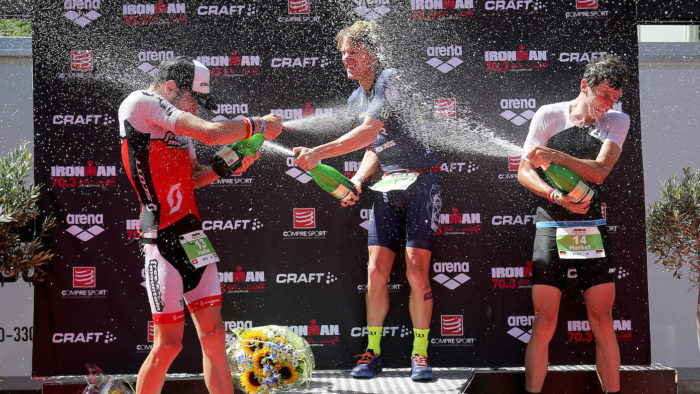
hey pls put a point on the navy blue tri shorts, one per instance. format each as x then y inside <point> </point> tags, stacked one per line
<point>409,216</point>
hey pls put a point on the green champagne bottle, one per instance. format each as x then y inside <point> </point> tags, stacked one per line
<point>566,180</point>
<point>332,181</point>
<point>229,158</point>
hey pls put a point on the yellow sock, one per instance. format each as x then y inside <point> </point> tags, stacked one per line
<point>420,341</point>
<point>374,336</point>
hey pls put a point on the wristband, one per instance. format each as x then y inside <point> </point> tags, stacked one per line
<point>249,128</point>
<point>356,178</point>
<point>252,123</point>
<point>553,196</point>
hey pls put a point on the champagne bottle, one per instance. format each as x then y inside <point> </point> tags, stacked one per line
<point>229,158</point>
<point>332,181</point>
<point>566,180</point>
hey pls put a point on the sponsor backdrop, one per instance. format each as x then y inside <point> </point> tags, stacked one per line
<point>290,254</point>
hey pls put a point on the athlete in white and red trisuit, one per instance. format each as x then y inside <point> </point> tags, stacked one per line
<point>586,136</point>
<point>157,128</point>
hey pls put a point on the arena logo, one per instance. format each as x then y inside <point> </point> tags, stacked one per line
<point>513,5</point>
<point>81,12</point>
<point>445,108</point>
<point>520,117</point>
<point>581,57</point>
<point>305,278</point>
<point>300,62</point>
<point>236,109</point>
<point>459,223</point>
<point>83,337</point>
<point>231,10</point>
<point>520,60</point>
<point>304,224</point>
<point>241,281</point>
<point>84,284</point>
<point>85,219</point>
<point>160,13</point>
<point>298,113</point>
<point>148,58</point>
<point>579,331</point>
<point>231,325</point>
<point>299,11</point>
<point>90,175</point>
<point>452,332</point>
<point>442,9</point>
<point>318,334</point>
<point>232,224</point>
<point>387,331</point>
<point>296,173</point>
<point>233,65</point>
<point>512,220</point>
<point>372,10</point>
<point>82,66</point>
<point>365,214</point>
<point>460,268</point>
<point>521,327</point>
<point>512,277</point>
<point>587,9</point>
<point>82,119</point>
<point>437,53</point>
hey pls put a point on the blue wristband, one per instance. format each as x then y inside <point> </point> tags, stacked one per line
<point>252,122</point>
<point>262,125</point>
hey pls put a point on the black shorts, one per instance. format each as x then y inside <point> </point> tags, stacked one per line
<point>549,269</point>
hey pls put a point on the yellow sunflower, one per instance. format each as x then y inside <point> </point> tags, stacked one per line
<point>281,340</point>
<point>253,340</point>
<point>259,359</point>
<point>250,382</point>
<point>288,374</point>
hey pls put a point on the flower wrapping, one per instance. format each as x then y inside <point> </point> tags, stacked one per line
<point>268,358</point>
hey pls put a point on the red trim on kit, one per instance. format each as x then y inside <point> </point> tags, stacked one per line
<point>203,303</point>
<point>168,318</point>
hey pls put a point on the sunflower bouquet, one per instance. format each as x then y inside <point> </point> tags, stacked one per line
<point>268,358</point>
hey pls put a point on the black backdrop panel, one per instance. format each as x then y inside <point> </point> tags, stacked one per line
<point>280,56</point>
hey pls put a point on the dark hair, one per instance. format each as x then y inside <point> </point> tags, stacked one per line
<point>179,69</point>
<point>606,68</point>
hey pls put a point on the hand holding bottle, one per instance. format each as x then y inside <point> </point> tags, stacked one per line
<point>357,181</point>
<point>540,156</point>
<point>247,161</point>
<point>569,203</point>
<point>306,158</point>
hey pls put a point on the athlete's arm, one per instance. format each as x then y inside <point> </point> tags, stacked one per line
<point>590,170</point>
<point>530,179</point>
<point>355,139</point>
<point>224,131</point>
<point>204,175</point>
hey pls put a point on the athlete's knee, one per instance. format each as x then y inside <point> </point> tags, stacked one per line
<point>417,276</point>
<point>166,350</point>
<point>213,336</point>
<point>601,322</point>
<point>377,275</point>
<point>545,324</point>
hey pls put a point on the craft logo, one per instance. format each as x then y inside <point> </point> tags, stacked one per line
<point>149,58</point>
<point>83,337</point>
<point>304,224</point>
<point>521,327</point>
<point>82,119</point>
<point>371,10</point>
<point>132,229</point>
<point>252,224</point>
<point>445,108</point>
<point>503,278</point>
<point>581,57</point>
<point>459,223</point>
<point>229,11</point>
<point>512,220</point>
<point>523,110</point>
<point>159,13</point>
<point>298,113</point>
<point>318,334</point>
<point>299,11</point>
<point>233,65</point>
<point>579,331</point>
<point>387,331</point>
<point>459,167</point>
<point>82,219</point>
<point>300,62</point>
<point>451,274</point>
<point>81,12</point>
<point>587,9</point>
<point>437,54</point>
<point>304,218</point>
<point>511,61</point>
<point>84,277</point>
<point>451,332</point>
<point>297,173</point>
<point>242,281</point>
<point>83,176</point>
<point>621,273</point>
<point>82,66</point>
<point>305,277</point>
<point>514,5</point>
<point>442,9</point>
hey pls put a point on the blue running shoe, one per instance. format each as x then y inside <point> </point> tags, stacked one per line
<point>420,370</point>
<point>368,365</point>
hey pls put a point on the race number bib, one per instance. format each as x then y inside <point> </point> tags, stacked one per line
<point>396,181</point>
<point>579,243</point>
<point>198,249</point>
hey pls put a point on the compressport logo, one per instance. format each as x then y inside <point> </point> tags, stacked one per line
<point>452,332</point>
<point>511,277</point>
<point>318,334</point>
<point>521,327</point>
<point>444,58</point>
<point>442,9</point>
<point>81,65</point>
<point>518,111</point>
<point>300,62</point>
<point>299,11</point>
<point>84,284</point>
<point>83,337</point>
<point>81,12</point>
<point>148,60</point>
<point>90,175</point>
<point>241,281</point>
<point>305,278</point>
<point>451,274</point>
<point>371,10</point>
<point>445,108</point>
<point>581,57</point>
<point>457,222</point>
<point>160,13</point>
<point>580,330</point>
<point>85,226</point>
<point>513,5</point>
<point>233,65</point>
<point>228,10</point>
<point>304,225</point>
<point>298,113</point>
<point>586,9</point>
<point>387,331</point>
<point>252,224</point>
<point>521,60</point>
